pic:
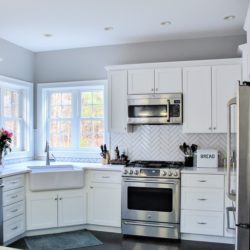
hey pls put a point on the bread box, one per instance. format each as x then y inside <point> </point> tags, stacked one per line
<point>207,158</point>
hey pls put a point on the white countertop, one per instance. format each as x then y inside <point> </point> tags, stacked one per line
<point>22,167</point>
<point>195,170</point>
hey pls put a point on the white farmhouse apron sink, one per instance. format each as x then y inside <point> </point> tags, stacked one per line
<point>55,177</point>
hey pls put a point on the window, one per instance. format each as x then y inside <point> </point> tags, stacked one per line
<point>74,117</point>
<point>12,115</point>
<point>16,115</point>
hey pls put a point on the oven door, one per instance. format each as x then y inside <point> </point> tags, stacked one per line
<point>148,199</point>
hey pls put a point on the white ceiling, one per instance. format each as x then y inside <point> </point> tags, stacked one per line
<point>80,23</point>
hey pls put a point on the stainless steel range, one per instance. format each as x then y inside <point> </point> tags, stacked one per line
<point>151,199</point>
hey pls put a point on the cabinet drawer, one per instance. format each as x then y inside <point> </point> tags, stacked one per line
<point>106,176</point>
<point>202,222</point>
<point>13,182</point>
<point>13,210</point>
<point>12,196</point>
<point>202,180</point>
<point>202,199</point>
<point>13,227</point>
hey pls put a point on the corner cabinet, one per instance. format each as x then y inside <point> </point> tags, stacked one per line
<point>117,84</point>
<point>206,91</point>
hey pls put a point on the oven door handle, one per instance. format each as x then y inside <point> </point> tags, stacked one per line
<point>147,224</point>
<point>151,181</point>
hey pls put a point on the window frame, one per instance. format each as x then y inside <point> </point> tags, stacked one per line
<point>42,113</point>
<point>26,98</point>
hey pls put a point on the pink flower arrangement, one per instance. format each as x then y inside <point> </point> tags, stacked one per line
<point>5,141</point>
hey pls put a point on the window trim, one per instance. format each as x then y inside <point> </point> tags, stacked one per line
<point>27,99</point>
<point>42,89</point>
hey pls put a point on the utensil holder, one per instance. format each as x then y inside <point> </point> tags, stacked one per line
<point>189,160</point>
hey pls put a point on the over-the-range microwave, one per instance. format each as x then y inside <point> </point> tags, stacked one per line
<point>155,109</point>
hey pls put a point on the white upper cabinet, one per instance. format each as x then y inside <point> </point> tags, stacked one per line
<point>224,87</point>
<point>158,81</point>
<point>197,99</point>
<point>118,101</point>
<point>168,80</point>
<point>206,92</point>
<point>141,81</point>
<point>245,48</point>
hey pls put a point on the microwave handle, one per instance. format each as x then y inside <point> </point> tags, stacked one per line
<point>168,110</point>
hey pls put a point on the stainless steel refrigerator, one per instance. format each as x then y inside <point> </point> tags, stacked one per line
<point>241,194</point>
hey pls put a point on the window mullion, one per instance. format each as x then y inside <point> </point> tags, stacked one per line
<point>75,118</point>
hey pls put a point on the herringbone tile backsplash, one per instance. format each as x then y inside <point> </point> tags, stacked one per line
<point>162,142</point>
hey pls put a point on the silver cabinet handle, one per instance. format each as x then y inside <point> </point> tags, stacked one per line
<point>202,181</point>
<point>152,89</point>
<point>56,199</point>
<point>214,128</point>
<point>15,210</point>
<point>201,223</point>
<point>60,198</point>
<point>147,224</point>
<point>156,89</point>
<point>105,177</point>
<point>228,210</point>
<point>91,187</point>
<point>201,199</point>
<point>14,196</point>
<point>210,128</point>
<point>14,228</point>
<point>14,182</point>
<point>230,195</point>
<point>1,186</point>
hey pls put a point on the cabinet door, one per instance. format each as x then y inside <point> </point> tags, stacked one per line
<point>118,100</point>
<point>168,80</point>
<point>245,62</point>
<point>71,208</point>
<point>224,85</point>
<point>104,204</point>
<point>197,99</point>
<point>141,81</point>
<point>42,210</point>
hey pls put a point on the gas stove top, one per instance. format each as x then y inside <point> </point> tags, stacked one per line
<point>153,169</point>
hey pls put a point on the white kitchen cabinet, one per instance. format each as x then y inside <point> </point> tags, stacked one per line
<point>202,204</point>
<point>141,81</point>
<point>118,100</point>
<point>104,198</point>
<point>168,80</point>
<point>225,79</point>
<point>197,92</point>
<point>155,81</point>
<point>206,92</point>
<point>13,208</point>
<point>42,210</point>
<point>71,208</point>
<point>245,48</point>
<point>55,209</point>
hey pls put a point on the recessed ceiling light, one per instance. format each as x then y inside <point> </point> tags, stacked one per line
<point>109,28</point>
<point>47,35</point>
<point>229,18</point>
<point>165,23</point>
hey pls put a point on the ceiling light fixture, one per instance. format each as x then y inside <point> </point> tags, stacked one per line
<point>229,18</point>
<point>47,35</point>
<point>165,23</point>
<point>109,28</point>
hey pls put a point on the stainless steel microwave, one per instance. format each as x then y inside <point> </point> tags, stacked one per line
<point>155,109</point>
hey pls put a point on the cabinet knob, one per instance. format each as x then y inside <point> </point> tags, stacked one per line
<point>60,198</point>
<point>156,89</point>
<point>152,89</point>
<point>214,128</point>
<point>91,187</point>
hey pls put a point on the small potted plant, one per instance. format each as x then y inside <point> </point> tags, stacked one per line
<point>5,143</point>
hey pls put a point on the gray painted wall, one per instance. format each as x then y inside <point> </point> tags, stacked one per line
<point>88,63</point>
<point>17,62</point>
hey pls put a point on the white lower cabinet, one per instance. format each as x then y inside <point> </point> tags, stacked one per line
<point>55,209</point>
<point>13,208</point>
<point>202,204</point>
<point>104,198</point>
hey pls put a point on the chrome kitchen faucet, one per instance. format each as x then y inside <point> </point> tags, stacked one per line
<point>48,159</point>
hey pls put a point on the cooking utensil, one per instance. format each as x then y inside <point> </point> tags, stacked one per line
<point>194,147</point>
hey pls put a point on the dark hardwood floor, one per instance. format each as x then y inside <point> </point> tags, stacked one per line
<point>112,241</point>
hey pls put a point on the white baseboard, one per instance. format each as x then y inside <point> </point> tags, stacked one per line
<point>208,238</point>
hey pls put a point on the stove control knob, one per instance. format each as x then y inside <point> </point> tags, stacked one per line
<point>125,171</point>
<point>169,173</point>
<point>136,172</point>
<point>130,171</point>
<point>164,173</point>
<point>175,173</point>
